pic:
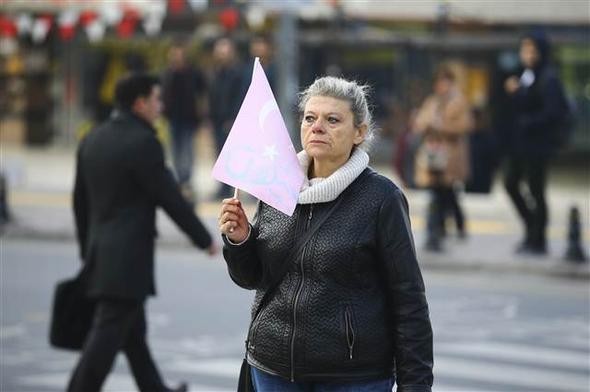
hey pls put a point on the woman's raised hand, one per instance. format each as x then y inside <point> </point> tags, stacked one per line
<point>233,221</point>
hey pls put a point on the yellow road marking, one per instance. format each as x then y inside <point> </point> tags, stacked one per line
<point>38,199</point>
<point>211,209</point>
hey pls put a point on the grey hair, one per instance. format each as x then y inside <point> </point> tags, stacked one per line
<point>349,91</point>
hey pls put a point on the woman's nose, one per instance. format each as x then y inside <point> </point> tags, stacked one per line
<point>317,127</point>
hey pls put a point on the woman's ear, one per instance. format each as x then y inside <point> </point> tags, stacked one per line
<point>361,133</point>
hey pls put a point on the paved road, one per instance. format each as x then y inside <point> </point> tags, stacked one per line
<point>493,332</point>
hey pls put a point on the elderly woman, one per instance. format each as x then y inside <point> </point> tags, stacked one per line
<point>347,311</point>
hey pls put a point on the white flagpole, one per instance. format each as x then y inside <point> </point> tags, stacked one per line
<point>236,196</point>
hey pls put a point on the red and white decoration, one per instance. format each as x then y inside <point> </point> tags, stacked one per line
<point>96,18</point>
<point>66,22</point>
<point>41,27</point>
<point>8,29</point>
<point>24,23</point>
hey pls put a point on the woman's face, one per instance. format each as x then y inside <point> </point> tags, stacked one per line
<point>442,86</point>
<point>327,129</point>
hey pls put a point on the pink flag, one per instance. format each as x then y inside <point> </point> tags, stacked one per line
<point>258,155</point>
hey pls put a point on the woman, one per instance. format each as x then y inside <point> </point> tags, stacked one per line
<point>349,311</point>
<point>539,107</point>
<point>444,120</point>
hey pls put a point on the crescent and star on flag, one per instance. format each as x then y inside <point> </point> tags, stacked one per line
<point>258,155</point>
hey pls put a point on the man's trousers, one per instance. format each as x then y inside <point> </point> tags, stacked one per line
<point>118,325</point>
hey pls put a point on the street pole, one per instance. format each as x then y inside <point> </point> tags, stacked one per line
<point>287,44</point>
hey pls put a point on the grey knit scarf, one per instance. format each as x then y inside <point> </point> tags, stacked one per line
<point>322,190</point>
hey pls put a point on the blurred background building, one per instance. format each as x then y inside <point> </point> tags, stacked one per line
<point>504,321</point>
<point>59,59</point>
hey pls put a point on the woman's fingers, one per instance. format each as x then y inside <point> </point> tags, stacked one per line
<point>231,201</point>
<point>227,227</point>
<point>229,216</point>
<point>233,205</point>
<point>232,217</point>
<point>233,231</point>
<point>232,213</point>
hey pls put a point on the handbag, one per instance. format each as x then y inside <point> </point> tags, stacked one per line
<point>71,313</point>
<point>436,155</point>
<point>431,161</point>
<point>245,379</point>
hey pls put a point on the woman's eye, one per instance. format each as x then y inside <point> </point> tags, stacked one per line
<point>308,119</point>
<point>332,120</point>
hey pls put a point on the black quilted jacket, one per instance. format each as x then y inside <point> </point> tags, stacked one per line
<point>352,305</point>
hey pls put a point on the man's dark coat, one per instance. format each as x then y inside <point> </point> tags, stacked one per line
<point>121,178</point>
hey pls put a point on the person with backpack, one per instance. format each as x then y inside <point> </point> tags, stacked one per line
<point>540,110</point>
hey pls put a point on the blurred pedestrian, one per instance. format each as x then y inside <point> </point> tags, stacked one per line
<point>442,164</point>
<point>5,215</point>
<point>120,180</point>
<point>183,88</point>
<point>405,145</point>
<point>261,47</point>
<point>225,95</point>
<point>340,306</point>
<point>483,154</point>
<point>537,101</point>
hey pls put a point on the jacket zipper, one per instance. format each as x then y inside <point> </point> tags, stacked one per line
<point>349,331</point>
<point>299,289</point>
<point>252,332</point>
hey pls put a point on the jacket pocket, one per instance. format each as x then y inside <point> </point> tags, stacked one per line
<point>254,330</point>
<point>350,332</point>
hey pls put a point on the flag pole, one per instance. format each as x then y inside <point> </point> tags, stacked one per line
<point>236,196</point>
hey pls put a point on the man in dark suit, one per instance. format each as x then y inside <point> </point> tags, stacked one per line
<point>121,178</point>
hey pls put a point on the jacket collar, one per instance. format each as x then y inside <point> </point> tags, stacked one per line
<point>120,114</point>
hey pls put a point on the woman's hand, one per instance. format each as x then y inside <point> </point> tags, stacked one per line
<point>233,221</point>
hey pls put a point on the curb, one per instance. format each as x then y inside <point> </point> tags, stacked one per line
<point>552,266</point>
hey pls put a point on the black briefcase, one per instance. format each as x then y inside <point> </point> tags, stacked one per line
<point>71,314</point>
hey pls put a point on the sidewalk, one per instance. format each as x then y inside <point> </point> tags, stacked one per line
<point>41,181</point>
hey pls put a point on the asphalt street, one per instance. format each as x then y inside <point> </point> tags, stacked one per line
<point>493,331</point>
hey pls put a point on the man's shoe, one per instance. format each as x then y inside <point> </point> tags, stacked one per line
<point>523,248</point>
<point>528,249</point>
<point>538,249</point>
<point>183,387</point>
<point>433,245</point>
<point>461,234</point>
